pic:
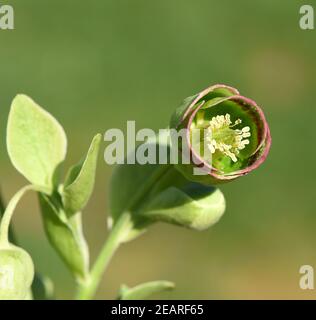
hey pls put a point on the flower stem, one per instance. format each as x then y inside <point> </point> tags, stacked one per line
<point>116,237</point>
<point>12,237</point>
<point>118,234</point>
<point>8,212</point>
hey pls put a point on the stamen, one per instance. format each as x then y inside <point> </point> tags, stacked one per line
<point>223,138</point>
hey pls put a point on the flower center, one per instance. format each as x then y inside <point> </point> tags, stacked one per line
<point>222,138</point>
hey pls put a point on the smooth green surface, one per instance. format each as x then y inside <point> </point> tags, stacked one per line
<point>36,142</point>
<point>65,235</point>
<point>95,65</point>
<point>7,213</point>
<point>179,207</point>
<point>42,288</point>
<point>16,273</point>
<point>117,236</point>
<point>80,180</point>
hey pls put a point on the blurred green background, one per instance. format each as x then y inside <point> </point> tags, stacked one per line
<point>96,64</point>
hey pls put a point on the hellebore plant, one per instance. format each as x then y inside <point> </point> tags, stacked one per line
<point>236,141</point>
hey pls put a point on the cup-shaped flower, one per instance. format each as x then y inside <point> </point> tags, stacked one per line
<point>225,135</point>
<point>16,273</point>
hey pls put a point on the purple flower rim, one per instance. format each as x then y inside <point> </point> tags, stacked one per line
<point>265,140</point>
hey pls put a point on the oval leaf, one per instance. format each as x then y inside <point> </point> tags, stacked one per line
<point>36,142</point>
<point>194,206</point>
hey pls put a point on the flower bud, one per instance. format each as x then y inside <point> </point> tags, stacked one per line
<point>225,136</point>
<point>16,273</point>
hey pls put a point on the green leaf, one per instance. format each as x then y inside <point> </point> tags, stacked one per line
<point>80,180</point>
<point>153,193</point>
<point>36,142</point>
<point>193,205</point>
<point>129,190</point>
<point>126,183</point>
<point>131,183</point>
<point>65,235</point>
<point>144,290</point>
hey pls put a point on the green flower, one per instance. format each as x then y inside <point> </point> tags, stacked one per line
<point>16,273</point>
<point>226,135</point>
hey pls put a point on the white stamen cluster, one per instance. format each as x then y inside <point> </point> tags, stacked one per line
<point>224,138</point>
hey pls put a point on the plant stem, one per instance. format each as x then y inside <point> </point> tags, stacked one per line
<point>8,213</point>
<point>116,237</point>
<point>12,236</point>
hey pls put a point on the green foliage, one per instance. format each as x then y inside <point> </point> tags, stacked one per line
<point>80,180</point>
<point>163,195</point>
<point>37,147</point>
<point>36,142</point>
<point>81,69</point>
<point>65,235</point>
<point>140,194</point>
<point>194,206</point>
